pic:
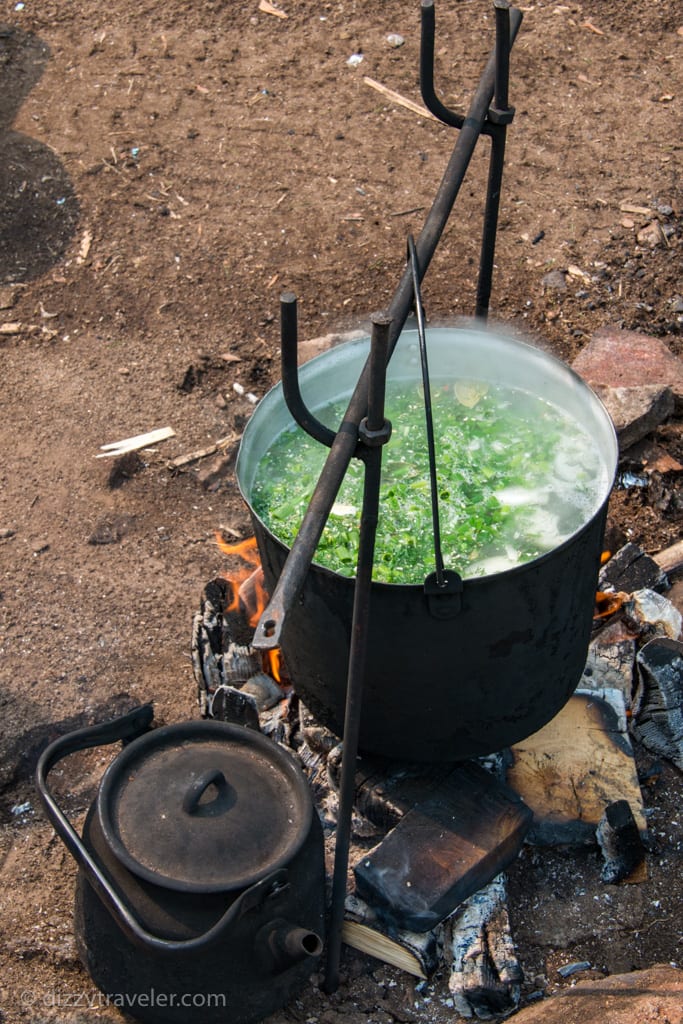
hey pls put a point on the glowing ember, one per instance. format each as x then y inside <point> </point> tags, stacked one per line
<point>248,594</point>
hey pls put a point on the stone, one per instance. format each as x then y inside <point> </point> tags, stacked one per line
<point>652,614</point>
<point>636,411</point>
<point>651,234</point>
<point>652,996</point>
<point>555,281</point>
<point>621,359</point>
<point>315,346</point>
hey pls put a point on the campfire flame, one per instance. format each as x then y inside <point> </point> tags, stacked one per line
<point>248,594</point>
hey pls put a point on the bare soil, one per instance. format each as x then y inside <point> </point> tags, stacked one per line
<point>166,171</point>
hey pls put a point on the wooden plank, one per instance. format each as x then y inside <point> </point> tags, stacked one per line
<point>573,768</point>
<point>133,444</point>
<point>671,559</point>
<point>449,845</point>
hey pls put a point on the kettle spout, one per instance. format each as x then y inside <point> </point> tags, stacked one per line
<point>284,944</point>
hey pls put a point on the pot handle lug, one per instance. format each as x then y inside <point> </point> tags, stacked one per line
<point>126,728</point>
<point>444,600</point>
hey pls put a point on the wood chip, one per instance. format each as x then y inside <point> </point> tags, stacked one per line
<point>642,211</point>
<point>269,8</point>
<point>133,444</point>
<point>8,297</point>
<point>593,28</point>
<point>84,250</point>
<point>396,97</point>
<point>11,328</point>
<point>577,272</point>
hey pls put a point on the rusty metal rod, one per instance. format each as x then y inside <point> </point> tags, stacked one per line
<point>374,432</point>
<point>269,628</point>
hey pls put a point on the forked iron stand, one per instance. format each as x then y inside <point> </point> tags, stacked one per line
<point>364,430</point>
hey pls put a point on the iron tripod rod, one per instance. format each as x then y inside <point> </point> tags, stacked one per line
<point>500,116</point>
<point>375,432</point>
<point>488,242</point>
<point>269,628</point>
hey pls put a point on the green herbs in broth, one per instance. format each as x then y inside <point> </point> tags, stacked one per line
<point>516,476</point>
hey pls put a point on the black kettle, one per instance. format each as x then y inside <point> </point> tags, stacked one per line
<point>201,886</point>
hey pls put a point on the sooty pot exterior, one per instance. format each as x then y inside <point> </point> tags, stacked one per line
<point>200,891</point>
<point>265,959</point>
<point>445,679</point>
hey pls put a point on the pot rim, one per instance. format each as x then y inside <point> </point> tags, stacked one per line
<point>185,732</point>
<point>610,460</point>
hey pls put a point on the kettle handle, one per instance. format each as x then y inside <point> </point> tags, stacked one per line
<point>127,727</point>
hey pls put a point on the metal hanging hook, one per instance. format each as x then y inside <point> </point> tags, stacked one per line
<point>442,583</point>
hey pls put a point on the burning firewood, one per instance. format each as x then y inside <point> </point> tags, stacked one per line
<point>485,974</point>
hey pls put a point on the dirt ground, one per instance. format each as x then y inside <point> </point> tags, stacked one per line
<point>166,171</point>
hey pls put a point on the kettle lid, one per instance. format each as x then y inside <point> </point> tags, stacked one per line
<point>204,807</point>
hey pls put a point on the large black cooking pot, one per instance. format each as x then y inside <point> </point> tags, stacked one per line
<point>444,688</point>
<point>200,891</point>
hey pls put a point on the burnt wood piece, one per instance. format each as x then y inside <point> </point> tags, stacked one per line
<point>658,704</point>
<point>554,770</point>
<point>414,952</point>
<point>630,569</point>
<point>450,844</point>
<point>619,839</point>
<point>386,790</point>
<point>227,704</point>
<point>486,975</point>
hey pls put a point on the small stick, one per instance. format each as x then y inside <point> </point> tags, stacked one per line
<point>202,453</point>
<point>396,97</point>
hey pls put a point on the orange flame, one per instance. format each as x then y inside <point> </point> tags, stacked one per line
<point>607,604</point>
<point>248,593</point>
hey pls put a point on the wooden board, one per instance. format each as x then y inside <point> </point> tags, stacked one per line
<point>446,847</point>
<point>573,768</point>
